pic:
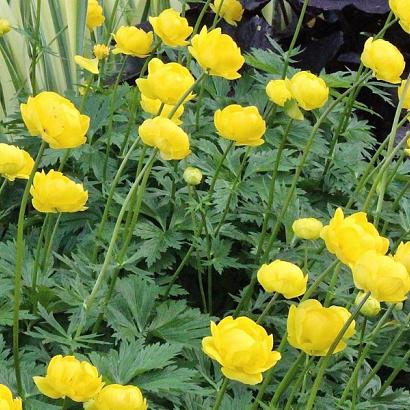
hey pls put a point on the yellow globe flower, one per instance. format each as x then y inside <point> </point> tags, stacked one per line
<point>101,51</point>
<point>217,53</point>
<point>282,277</point>
<point>5,27</point>
<point>384,59</point>
<point>313,328</point>
<point>95,16</point>
<point>89,64</point>
<point>192,176</point>
<point>24,173</point>
<point>133,41</point>
<point>244,125</point>
<point>68,377</point>
<point>401,10</point>
<point>153,106</point>
<point>53,192</point>
<point>171,140</point>
<point>349,238</point>
<point>55,119</point>
<point>230,10</point>
<point>309,90</point>
<point>242,347</point>
<point>307,228</point>
<point>6,399</point>
<point>386,279</point>
<point>166,82</point>
<point>278,91</point>
<point>402,255</point>
<point>171,28</point>
<point>117,397</point>
<point>371,307</point>
<point>11,161</point>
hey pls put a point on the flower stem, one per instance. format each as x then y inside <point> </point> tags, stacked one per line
<point>221,393</point>
<point>268,308</point>
<point>18,271</point>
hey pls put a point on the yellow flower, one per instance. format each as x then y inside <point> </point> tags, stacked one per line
<point>402,255</point>
<point>171,140</point>
<point>89,64</point>
<point>55,119</point>
<point>24,173</point>
<point>309,90</point>
<point>153,106</point>
<point>242,347</point>
<point>284,278</point>
<point>349,238</point>
<point>68,377</point>
<point>192,176</point>
<point>11,161</point>
<point>95,16</point>
<point>133,41</point>
<point>401,9</point>
<point>6,399</point>
<point>53,192</point>
<point>5,27</point>
<point>101,51</point>
<point>244,125</point>
<point>407,151</point>
<point>231,10</point>
<point>171,28</point>
<point>279,91</point>
<point>386,279</point>
<point>406,99</point>
<point>217,53</point>
<point>166,82</point>
<point>370,308</point>
<point>384,59</point>
<point>307,228</point>
<point>313,328</point>
<point>117,397</point>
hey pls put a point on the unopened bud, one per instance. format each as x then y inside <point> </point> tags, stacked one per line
<point>370,308</point>
<point>192,176</point>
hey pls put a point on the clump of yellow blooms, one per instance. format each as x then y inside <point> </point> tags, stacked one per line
<point>230,10</point>
<point>54,192</point>
<point>171,28</point>
<point>244,125</point>
<point>242,347</point>
<point>283,277</point>
<point>313,328</point>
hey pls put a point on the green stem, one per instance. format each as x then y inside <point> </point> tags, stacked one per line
<point>220,395</point>
<point>198,105</point>
<point>396,204</point>
<point>217,14</point>
<point>268,308</point>
<point>34,48</point>
<point>299,381</point>
<point>332,285</point>
<point>36,264</point>
<point>3,186</point>
<point>18,271</point>
<point>49,243</point>
<point>325,360</point>
<point>356,373</point>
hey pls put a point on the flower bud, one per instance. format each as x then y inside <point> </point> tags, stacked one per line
<point>192,176</point>
<point>5,27</point>
<point>101,51</point>
<point>307,228</point>
<point>278,91</point>
<point>370,308</point>
<point>397,306</point>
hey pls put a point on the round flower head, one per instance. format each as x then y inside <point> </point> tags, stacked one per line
<point>284,278</point>
<point>95,16</point>
<point>11,161</point>
<point>307,228</point>
<point>101,51</point>
<point>53,192</point>
<point>230,10</point>
<point>89,64</point>
<point>133,41</point>
<point>384,59</point>
<point>309,90</point>
<point>192,176</point>
<point>402,255</point>
<point>401,9</point>
<point>244,125</point>
<point>166,82</point>
<point>370,308</point>
<point>68,377</point>
<point>171,140</point>
<point>217,53</point>
<point>278,91</point>
<point>5,27</point>
<point>242,347</point>
<point>171,28</point>
<point>386,279</point>
<point>313,328</point>
<point>117,397</point>
<point>55,119</point>
<point>153,106</point>
<point>349,238</point>
<point>6,399</point>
